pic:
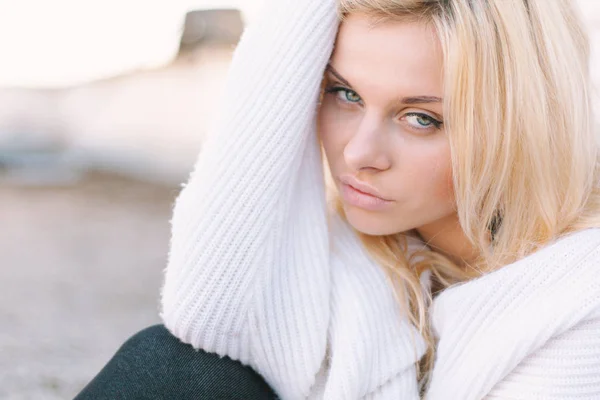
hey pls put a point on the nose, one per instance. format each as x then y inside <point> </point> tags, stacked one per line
<point>367,147</point>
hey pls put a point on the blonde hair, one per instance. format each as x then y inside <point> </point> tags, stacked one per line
<point>519,120</point>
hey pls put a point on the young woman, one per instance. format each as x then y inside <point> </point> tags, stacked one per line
<point>457,255</point>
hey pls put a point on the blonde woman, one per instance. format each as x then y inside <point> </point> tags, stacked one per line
<point>457,255</point>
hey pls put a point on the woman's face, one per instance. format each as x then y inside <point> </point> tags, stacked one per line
<point>381,124</point>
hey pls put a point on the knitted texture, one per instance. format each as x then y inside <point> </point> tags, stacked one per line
<point>252,273</point>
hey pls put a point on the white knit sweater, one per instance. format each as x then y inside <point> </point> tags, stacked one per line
<point>260,272</point>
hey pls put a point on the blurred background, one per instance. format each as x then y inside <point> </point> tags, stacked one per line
<point>103,107</point>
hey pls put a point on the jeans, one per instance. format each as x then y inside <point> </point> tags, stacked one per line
<point>153,365</point>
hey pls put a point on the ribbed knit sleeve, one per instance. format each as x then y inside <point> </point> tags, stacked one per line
<point>530,330</point>
<point>248,272</point>
<point>567,366</point>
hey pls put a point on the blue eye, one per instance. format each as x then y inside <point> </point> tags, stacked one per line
<point>343,94</point>
<point>422,121</point>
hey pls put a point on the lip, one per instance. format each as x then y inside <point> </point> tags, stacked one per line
<point>361,195</point>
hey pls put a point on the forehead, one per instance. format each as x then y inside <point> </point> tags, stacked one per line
<point>389,56</point>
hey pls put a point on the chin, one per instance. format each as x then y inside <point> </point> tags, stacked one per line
<point>370,223</point>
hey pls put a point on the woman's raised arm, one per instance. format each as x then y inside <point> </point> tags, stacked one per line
<point>249,246</point>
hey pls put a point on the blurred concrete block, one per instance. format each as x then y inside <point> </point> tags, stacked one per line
<point>214,27</point>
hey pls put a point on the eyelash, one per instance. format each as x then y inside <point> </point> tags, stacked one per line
<point>437,124</point>
<point>337,89</point>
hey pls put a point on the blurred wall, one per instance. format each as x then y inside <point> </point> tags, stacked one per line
<point>147,124</point>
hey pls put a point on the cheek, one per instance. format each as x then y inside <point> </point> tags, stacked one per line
<point>447,189</point>
<point>332,131</point>
<point>431,172</point>
<point>440,177</point>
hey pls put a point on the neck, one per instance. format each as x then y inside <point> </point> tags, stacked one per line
<point>447,237</point>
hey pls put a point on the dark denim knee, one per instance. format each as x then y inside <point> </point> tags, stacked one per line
<point>154,364</point>
<point>154,341</point>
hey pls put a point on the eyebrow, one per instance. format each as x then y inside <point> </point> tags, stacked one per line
<point>405,100</point>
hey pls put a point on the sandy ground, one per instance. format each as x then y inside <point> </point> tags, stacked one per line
<point>81,272</point>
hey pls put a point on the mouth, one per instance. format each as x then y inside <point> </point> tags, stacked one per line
<point>362,196</point>
<point>361,186</point>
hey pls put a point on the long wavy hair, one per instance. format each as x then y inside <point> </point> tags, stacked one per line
<point>518,115</point>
